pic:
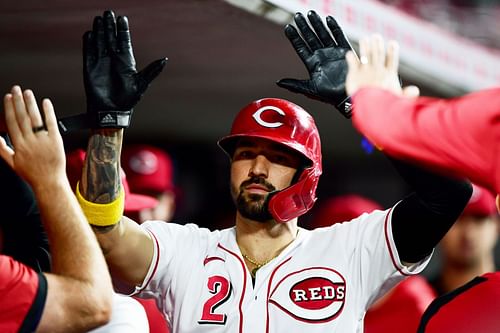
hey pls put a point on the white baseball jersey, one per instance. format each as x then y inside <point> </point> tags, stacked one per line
<point>322,282</point>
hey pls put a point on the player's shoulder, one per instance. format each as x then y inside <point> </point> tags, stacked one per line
<point>188,229</point>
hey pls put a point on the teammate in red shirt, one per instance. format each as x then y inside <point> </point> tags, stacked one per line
<point>76,296</point>
<point>458,136</point>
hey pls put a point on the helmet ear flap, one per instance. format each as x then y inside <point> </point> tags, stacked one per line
<point>296,199</point>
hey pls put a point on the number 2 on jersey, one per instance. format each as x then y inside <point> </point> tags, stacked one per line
<point>220,287</point>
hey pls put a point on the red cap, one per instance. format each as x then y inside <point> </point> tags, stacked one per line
<point>341,209</point>
<point>133,202</point>
<point>148,169</point>
<point>481,203</point>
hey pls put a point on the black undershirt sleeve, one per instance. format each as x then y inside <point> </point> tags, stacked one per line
<point>421,219</point>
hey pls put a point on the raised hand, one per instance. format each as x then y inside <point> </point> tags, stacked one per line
<point>38,154</point>
<point>112,84</point>
<point>323,53</point>
<point>378,68</point>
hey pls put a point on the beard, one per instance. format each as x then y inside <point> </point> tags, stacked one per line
<point>253,206</point>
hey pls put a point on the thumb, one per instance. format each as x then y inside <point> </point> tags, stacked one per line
<point>149,73</point>
<point>411,92</point>
<point>6,152</point>
<point>296,86</point>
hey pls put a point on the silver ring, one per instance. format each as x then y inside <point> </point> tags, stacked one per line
<point>37,129</point>
<point>363,60</point>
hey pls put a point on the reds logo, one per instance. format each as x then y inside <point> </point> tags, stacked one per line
<point>258,116</point>
<point>313,295</point>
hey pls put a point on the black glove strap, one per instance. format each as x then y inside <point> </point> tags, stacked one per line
<point>345,107</point>
<point>113,119</point>
<point>73,123</point>
<point>106,119</point>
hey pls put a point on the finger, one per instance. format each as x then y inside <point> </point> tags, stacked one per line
<point>309,36</point>
<point>298,43</point>
<point>32,107</point>
<point>411,91</point>
<point>10,119</point>
<point>352,61</point>
<point>392,60</point>
<point>377,50</point>
<point>296,86</point>
<point>123,35</point>
<point>23,120</point>
<point>98,36</point>
<point>149,73</point>
<point>110,30</point>
<point>50,117</point>
<point>363,51</point>
<point>6,152</point>
<point>337,33</point>
<point>89,50</point>
<point>320,29</point>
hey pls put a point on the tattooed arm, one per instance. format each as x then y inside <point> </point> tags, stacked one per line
<point>128,249</point>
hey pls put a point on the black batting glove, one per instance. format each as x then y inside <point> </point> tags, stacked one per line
<point>324,56</point>
<point>112,84</point>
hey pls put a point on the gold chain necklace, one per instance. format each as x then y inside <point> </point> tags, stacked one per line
<point>257,264</point>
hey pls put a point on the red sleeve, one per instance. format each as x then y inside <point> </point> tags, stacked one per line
<point>20,290</point>
<point>474,307</point>
<point>458,136</point>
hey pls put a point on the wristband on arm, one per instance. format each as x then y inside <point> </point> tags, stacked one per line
<point>102,215</point>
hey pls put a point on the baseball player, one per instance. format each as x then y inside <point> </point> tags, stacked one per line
<point>457,136</point>
<point>76,295</point>
<point>265,274</point>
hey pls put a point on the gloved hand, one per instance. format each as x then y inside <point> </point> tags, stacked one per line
<point>112,84</point>
<point>324,57</point>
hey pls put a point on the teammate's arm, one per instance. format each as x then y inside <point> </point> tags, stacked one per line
<point>79,288</point>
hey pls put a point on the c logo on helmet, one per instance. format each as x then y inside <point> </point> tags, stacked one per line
<point>258,116</point>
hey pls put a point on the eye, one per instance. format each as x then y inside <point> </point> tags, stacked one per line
<point>243,154</point>
<point>282,159</point>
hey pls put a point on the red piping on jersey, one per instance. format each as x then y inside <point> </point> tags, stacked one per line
<point>269,290</point>
<point>244,283</point>
<point>386,232</point>
<point>157,260</point>
<point>209,259</point>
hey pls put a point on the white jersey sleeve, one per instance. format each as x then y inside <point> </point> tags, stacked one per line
<point>376,266</point>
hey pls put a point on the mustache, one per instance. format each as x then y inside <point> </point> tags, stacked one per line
<point>258,181</point>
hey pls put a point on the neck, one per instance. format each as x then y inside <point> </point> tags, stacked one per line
<point>454,276</point>
<point>263,241</point>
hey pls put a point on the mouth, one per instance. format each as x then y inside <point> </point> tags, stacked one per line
<point>257,189</point>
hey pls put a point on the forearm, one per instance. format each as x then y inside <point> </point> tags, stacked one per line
<point>80,287</point>
<point>421,220</point>
<point>126,247</point>
<point>66,226</point>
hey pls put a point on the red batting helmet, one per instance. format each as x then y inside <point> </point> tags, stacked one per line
<point>288,124</point>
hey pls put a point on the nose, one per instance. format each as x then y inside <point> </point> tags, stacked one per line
<point>259,167</point>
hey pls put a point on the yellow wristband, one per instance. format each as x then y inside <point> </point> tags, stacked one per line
<point>102,214</point>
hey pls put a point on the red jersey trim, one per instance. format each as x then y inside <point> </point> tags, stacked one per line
<point>244,283</point>
<point>388,238</point>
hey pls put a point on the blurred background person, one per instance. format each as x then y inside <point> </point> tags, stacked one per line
<point>400,310</point>
<point>468,248</point>
<point>150,171</point>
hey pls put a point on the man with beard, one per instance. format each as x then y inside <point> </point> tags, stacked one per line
<point>265,274</point>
